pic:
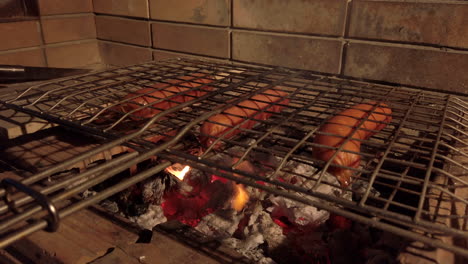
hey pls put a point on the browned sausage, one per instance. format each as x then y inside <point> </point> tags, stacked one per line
<point>342,125</point>
<point>218,124</point>
<point>181,93</point>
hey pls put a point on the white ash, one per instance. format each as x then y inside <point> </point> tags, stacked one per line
<point>272,233</point>
<point>299,213</point>
<point>360,186</point>
<point>256,255</point>
<point>151,218</point>
<point>252,211</point>
<point>255,213</point>
<point>220,225</point>
<point>142,259</point>
<point>252,241</point>
<point>309,173</point>
<point>260,229</point>
<point>88,193</point>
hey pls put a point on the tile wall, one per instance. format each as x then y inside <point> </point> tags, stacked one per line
<point>63,36</point>
<point>421,43</point>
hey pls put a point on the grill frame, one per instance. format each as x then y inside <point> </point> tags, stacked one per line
<point>240,80</point>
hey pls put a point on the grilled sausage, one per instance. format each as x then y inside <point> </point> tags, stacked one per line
<point>342,126</point>
<point>218,124</point>
<point>181,93</point>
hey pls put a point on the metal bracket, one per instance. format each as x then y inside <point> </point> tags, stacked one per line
<point>53,219</point>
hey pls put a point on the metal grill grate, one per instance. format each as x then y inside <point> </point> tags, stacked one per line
<point>414,170</point>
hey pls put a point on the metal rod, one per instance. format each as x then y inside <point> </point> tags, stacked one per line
<point>41,224</point>
<point>387,151</point>
<point>113,143</point>
<point>50,189</point>
<point>431,165</point>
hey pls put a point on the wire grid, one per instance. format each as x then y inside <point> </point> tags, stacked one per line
<point>409,163</point>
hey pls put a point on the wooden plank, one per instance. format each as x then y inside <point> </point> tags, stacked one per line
<point>87,237</point>
<point>51,146</point>
<point>443,205</point>
<point>14,124</point>
<point>81,238</point>
<point>118,256</point>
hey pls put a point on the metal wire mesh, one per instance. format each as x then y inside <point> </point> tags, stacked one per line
<point>413,171</point>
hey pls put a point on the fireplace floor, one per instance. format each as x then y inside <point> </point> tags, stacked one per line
<point>89,237</point>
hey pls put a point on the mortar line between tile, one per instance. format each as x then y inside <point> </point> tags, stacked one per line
<point>420,46</point>
<point>345,33</point>
<point>43,43</point>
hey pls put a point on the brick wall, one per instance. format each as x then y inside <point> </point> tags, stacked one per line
<point>417,43</point>
<point>63,36</point>
<point>421,43</point>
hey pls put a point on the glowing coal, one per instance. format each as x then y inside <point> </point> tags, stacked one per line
<point>260,225</point>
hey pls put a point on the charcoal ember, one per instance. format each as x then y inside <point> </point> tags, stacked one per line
<point>345,247</point>
<point>378,256</point>
<point>153,190</point>
<point>336,222</point>
<point>190,208</point>
<point>135,209</point>
<point>387,245</point>
<point>258,231</point>
<point>272,233</point>
<point>131,202</point>
<point>265,260</point>
<point>249,218</point>
<point>255,211</point>
<point>363,244</point>
<point>252,241</point>
<point>249,164</point>
<point>360,186</point>
<point>308,246</point>
<point>260,222</point>
<point>88,193</point>
<point>195,181</point>
<point>220,225</point>
<point>110,206</point>
<point>153,216</point>
<point>309,176</point>
<point>291,214</point>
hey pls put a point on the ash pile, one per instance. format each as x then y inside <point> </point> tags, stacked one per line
<point>262,226</point>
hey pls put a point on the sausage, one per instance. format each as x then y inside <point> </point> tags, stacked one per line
<point>218,124</point>
<point>153,94</point>
<point>342,125</point>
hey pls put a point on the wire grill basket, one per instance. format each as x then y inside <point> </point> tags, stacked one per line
<point>412,180</point>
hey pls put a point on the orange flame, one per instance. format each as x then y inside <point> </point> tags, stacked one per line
<point>178,171</point>
<point>240,197</point>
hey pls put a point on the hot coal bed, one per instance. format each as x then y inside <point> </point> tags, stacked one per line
<point>265,227</point>
<point>259,185</point>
